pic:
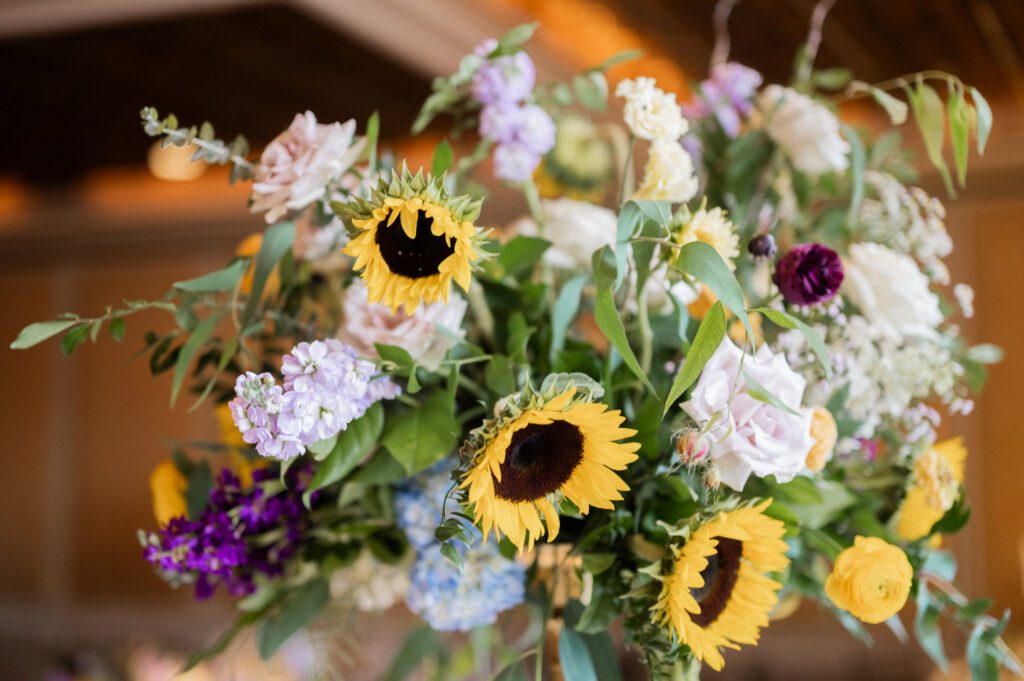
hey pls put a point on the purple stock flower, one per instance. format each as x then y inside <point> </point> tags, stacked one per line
<point>809,274</point>
<point>220,548</point>
<point>326,387</point>
<point>514,163</point>
<point>727,94</point>
<point>508,78</point>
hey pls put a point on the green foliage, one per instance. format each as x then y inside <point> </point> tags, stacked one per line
<point>417,437</point>
<point>302,606</point>
<point>351,446</point>
<point>607,318</point>
<point>705,343</point>
<point>703,263</point>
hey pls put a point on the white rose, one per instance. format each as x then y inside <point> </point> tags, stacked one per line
<point>890,290</point>
<point>575,229</point>
<point>752,436</point>
<point>668,174</point>
<point>427,335</point>
<point>299,166</point>
<point>805,129</point>
<point>650,112</point>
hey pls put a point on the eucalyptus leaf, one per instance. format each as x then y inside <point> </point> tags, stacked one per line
<point>221,280</point>
<point>608,321</point>
<point>705,343</point>
<point>703,262</point>
<point>36,333</point>
<point>305,604</point>
<point>959,131</point>
<point>984,119</point>
<point>930,115</point>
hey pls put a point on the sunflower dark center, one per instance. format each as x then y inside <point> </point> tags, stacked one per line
<point>539,459</point>
<point>719,579</point>
<point>413,258</point>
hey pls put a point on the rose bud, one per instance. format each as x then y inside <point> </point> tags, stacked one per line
<point>809,274</point>
<point>693,446</point>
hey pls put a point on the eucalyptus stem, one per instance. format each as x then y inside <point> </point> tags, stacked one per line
<point>220,149</point>
<point>857,91</point>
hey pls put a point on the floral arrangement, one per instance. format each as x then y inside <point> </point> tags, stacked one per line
<point>682,403</point>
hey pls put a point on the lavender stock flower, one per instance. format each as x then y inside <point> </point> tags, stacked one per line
<point>727,94</point>
<point>809,274</point>
<point>508,78</point>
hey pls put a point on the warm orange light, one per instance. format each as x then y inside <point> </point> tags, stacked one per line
<point>589,32</point>
<point>174,163</point>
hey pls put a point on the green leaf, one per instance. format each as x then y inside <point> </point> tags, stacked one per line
<point>709,337</point>
<point>835,78</point>
<point>974,609</point>
<point>591,89</point>
<point>276,242</point>
<point>380,470</point>
<point>930,115</point>
<point>195,342</point>
<point>564,311</point>
<point>449,551</point>
<point>759,392</point>
<point>515,37</point>
<point>197,491</point>
<point>981,656</point>
<point>36,333</point>
<point>417,646</point>
<point>608,321</point>
<point>443,159</point>
<point>73,338</point>
<point>575,657</point>
<point>985,353</point>
<point>984,119</point>
<point>303,606</point>
<point>521,254</point>
<point>812,337</point>
<point>942,564</point>
<point>221,280</point>
<point>703,263</point>
<point>321,448</point>
<point>833,500</point>
<point>629,218</point>
<point>615,59</point>
<point>116,329</point>
<point>419,437</point>
<point>959,129</point>
<point>372,134</point>
<point>512,672</point>
<point>222,642</point>
<point>498,375</point>
<point>398,356</point>
<point>596,563</point>
<point>858,158</point>
<point>352,446</point>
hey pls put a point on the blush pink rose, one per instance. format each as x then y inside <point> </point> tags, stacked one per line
<point>751,436</point>
<point>302,163</point>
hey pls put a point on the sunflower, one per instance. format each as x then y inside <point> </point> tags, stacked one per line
<point>411,240</point>
<point>934,488</point>
<point>718,593</point>
<point>531,456</point>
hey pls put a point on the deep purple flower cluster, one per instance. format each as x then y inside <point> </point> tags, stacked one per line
<point>326,387</point>
<point>727,94</point>
<point>523,132</point>
<point>809,274</point>
<point>219,547</point>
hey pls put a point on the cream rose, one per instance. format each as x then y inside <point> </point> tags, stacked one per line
<point>668,174</point>
<point>427,335</point>
<point>650,112</point>
<point>751,436</point>
<point>575,229</point>
<point>805,129</point>
<point>299,166</point>
<point>890,290</point>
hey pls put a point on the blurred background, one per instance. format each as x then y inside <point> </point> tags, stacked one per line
<point>90,213</point>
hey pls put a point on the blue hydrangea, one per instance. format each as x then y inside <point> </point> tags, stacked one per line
<point>418,503</point>
<point>450,600</point>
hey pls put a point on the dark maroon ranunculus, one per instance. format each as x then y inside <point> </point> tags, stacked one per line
<point>809,274</point>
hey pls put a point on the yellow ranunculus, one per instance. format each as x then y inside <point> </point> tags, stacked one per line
<point>249,247</point>
<point>825,434</point>
<point>870,580</point>
<point>167,486</point>
<point>938,474</point>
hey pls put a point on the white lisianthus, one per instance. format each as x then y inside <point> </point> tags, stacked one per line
<point>751,436</point>
<point>668,174</point>
<point>427,335</point>
<point>371,585</point>
<point>807,130</point>
<point>300,165</point>
<point>650,112</point>
<point>575,229</point>
<point>890,290</point>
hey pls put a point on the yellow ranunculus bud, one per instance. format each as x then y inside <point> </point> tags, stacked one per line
<point>249,247</point>
<point>933,489</point>
<point>167,486</point>
<point>825,434</point>
<point>870,580</point>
